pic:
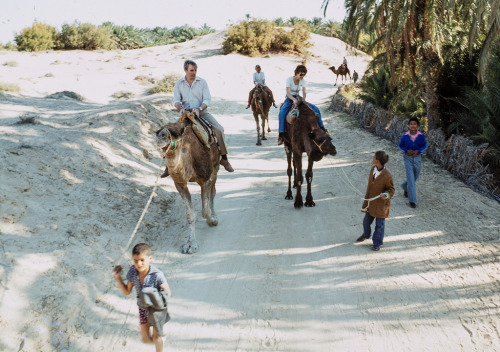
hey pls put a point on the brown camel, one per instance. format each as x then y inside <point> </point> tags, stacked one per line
<point>261,103</point>
<point>342,71</point>
<point>305,136</point>
<point>188,160</point>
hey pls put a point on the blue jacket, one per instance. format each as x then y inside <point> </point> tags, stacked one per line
<point>420,144</point>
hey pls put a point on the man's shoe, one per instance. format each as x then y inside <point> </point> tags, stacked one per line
<point>165,173</point>
<point>227,165</point>
<point>248,106</point>
<point>361,238</point>
<point>274,104</point>
<point>376,248</point>
<point>406,194</point>
<point>413,205</point>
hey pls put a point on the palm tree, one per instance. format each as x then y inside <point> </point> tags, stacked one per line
<point>413,33</point>
<point>332,28</point>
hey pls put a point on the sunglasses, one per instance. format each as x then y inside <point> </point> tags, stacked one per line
<point>302,74</point>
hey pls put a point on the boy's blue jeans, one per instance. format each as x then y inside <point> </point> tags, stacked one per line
<point>284,111</point>
<point>413,165</point>
<point>378,234</point>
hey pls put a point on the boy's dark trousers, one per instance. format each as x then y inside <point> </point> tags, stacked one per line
<point>378,234</point>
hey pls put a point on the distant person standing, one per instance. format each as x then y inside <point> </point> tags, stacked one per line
<point>355,76</point>
<point>259,78</point>
<point>412,144</point>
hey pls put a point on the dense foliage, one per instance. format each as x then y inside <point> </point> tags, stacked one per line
<point>255,37</point>
<point>87,36</point>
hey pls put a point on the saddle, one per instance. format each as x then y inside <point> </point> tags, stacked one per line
<point>292,115</point>
<point>200,128</point>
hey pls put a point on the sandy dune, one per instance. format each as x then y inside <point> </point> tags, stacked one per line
<point>75,182</point>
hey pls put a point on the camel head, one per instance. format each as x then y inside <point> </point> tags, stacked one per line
<point>333,69</point>
<point>322,141</point>
<point>258,91</point>
<point>167,134</point>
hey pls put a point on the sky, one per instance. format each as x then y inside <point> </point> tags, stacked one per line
<point>16,15</point>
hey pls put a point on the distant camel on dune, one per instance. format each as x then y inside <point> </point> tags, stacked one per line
<point>342,71</point>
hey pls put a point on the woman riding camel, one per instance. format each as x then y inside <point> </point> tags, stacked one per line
<point>259,78</point>
<point>294,85</point>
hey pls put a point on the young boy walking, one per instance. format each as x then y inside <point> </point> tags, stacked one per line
<point>379,184</point>
<point>412,144</point>
<point>140,275</point>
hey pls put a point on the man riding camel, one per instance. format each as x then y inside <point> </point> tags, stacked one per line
<point>191,92</point>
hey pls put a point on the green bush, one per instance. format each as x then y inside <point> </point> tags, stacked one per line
<point>257,37</point>
<point>166,84</point>
<point>37,38</point>
<point>85,36</point>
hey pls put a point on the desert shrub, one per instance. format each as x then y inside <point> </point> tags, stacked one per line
<point>27,118</point>
<point>294,40</point>
<point>249,37</point>
<point>9,87</point>
<point>49,75</point>
<point>9,46</point>
<point>166,84</point>
<point>66,94</point>
<point>122,95</point>
<point>37,38</point>
<point>10,63</point>
<point>143,78</point>
<point>85,36</point>
<point>256,37</point>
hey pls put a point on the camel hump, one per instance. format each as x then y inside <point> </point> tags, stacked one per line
<point>200,128</point>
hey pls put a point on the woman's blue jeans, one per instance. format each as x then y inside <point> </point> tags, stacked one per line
<point>413,166</point>
<point>378,234</point>
<point>286,108</point>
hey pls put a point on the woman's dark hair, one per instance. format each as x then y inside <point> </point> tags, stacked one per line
<point>141,248</point>
<point>414,119</point>
<point>300,68</point>
<point>382,157</point>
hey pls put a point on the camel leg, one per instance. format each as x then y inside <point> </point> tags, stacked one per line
<point>207,203</point>
<point>309,177</point>
<point>256,117</point>
<point>268,126</point>
<point>336,80</point>
<point>264,128</point>
<point>215,219</point>
<point>289,194</point>
<point>297,160</point>
<point>191,246</point>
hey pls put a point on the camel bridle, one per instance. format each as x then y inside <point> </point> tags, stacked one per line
<point>173,143</point>
<point>320,145</point>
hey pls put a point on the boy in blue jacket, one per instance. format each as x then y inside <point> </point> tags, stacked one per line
<point>412,144</point>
